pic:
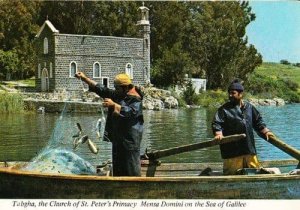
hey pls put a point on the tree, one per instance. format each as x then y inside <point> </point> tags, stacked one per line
<point>209,38</point>
<point>9,64</point>
<point>116,18</point>
<point>297,64</point>
<point>169,59</point>
<point>285,62</point>
<point>171,68</point>
<point>218,43</point>
<point>17,30</point>
<point>189,94</point>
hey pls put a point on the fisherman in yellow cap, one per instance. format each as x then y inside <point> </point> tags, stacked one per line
<point>124,125</point>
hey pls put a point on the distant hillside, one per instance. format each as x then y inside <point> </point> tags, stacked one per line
<point>280,71</point>
<point>272,80</point>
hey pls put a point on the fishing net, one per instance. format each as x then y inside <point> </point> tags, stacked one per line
<point>73,145</point>
<point>60,161</point>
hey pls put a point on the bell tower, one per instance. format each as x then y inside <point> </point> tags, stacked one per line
<point>145,31</point>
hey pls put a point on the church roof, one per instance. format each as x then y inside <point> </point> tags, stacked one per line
<point>50,25</point>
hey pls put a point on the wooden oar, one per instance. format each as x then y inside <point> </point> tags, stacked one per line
<point>190,147</point>
<point>284,147</point>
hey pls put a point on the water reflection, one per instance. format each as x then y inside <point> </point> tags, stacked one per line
<point>24,135</point>
<point>284,121</point>
<point>173,128</point>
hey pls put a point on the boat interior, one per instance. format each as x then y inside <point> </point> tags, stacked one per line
<point>159,169</point>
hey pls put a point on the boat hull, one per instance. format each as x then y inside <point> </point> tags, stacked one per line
<point>23,184</point>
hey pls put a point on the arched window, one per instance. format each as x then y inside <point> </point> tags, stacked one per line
<point>146,43</point>
<point>51,70</point>
<point>46,45</point>
<point>73,69</point>
<point>129,70</point>
<point>96,70</point>
<point>39,70</point>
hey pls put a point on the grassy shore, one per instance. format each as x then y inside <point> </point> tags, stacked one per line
<point>11,102</point>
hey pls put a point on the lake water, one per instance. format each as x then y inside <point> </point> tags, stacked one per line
<point>22,136</point>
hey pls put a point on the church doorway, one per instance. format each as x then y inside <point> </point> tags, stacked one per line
<point>44,81</point>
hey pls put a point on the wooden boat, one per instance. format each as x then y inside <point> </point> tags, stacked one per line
<point>166,181</point>
<point>159,180</point>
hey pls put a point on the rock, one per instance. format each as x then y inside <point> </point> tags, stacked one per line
<point>147,103</point>
<point>294,172</point>
<point>171,102</point>
<point>279,101</point>
<point>158,99</point>
<point>41,110</point>
<point>192,106</point>
<point>267,102</point>
<point>253,101</point>
<point>152,104</point>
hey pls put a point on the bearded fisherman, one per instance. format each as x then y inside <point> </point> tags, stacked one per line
<point>124,124</point>
<point>235,117</point>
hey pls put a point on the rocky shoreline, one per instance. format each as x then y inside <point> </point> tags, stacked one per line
<point>154,99</point>
<point>267,102</point>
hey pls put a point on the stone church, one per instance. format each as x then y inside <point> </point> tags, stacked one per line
<point>60,56</point>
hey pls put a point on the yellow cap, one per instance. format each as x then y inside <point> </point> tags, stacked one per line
<point>122,80</point>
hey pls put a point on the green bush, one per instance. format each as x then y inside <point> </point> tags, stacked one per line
<point>291,85</point>
<point>209,98</point>
<point>11,102</point>
<point>212,98</point>
<point>181,102</point>
<point>189,95</point>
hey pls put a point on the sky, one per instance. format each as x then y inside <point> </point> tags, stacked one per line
<point>276,30</point>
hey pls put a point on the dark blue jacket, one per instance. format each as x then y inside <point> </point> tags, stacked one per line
<point>231,119</point>
<point>124,131</point>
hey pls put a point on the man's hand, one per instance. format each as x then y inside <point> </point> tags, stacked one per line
<point>219,136</point>
<point>108,103</point>
<point>111,104</point>
<point>269,134</point>
<point>80,75</point>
